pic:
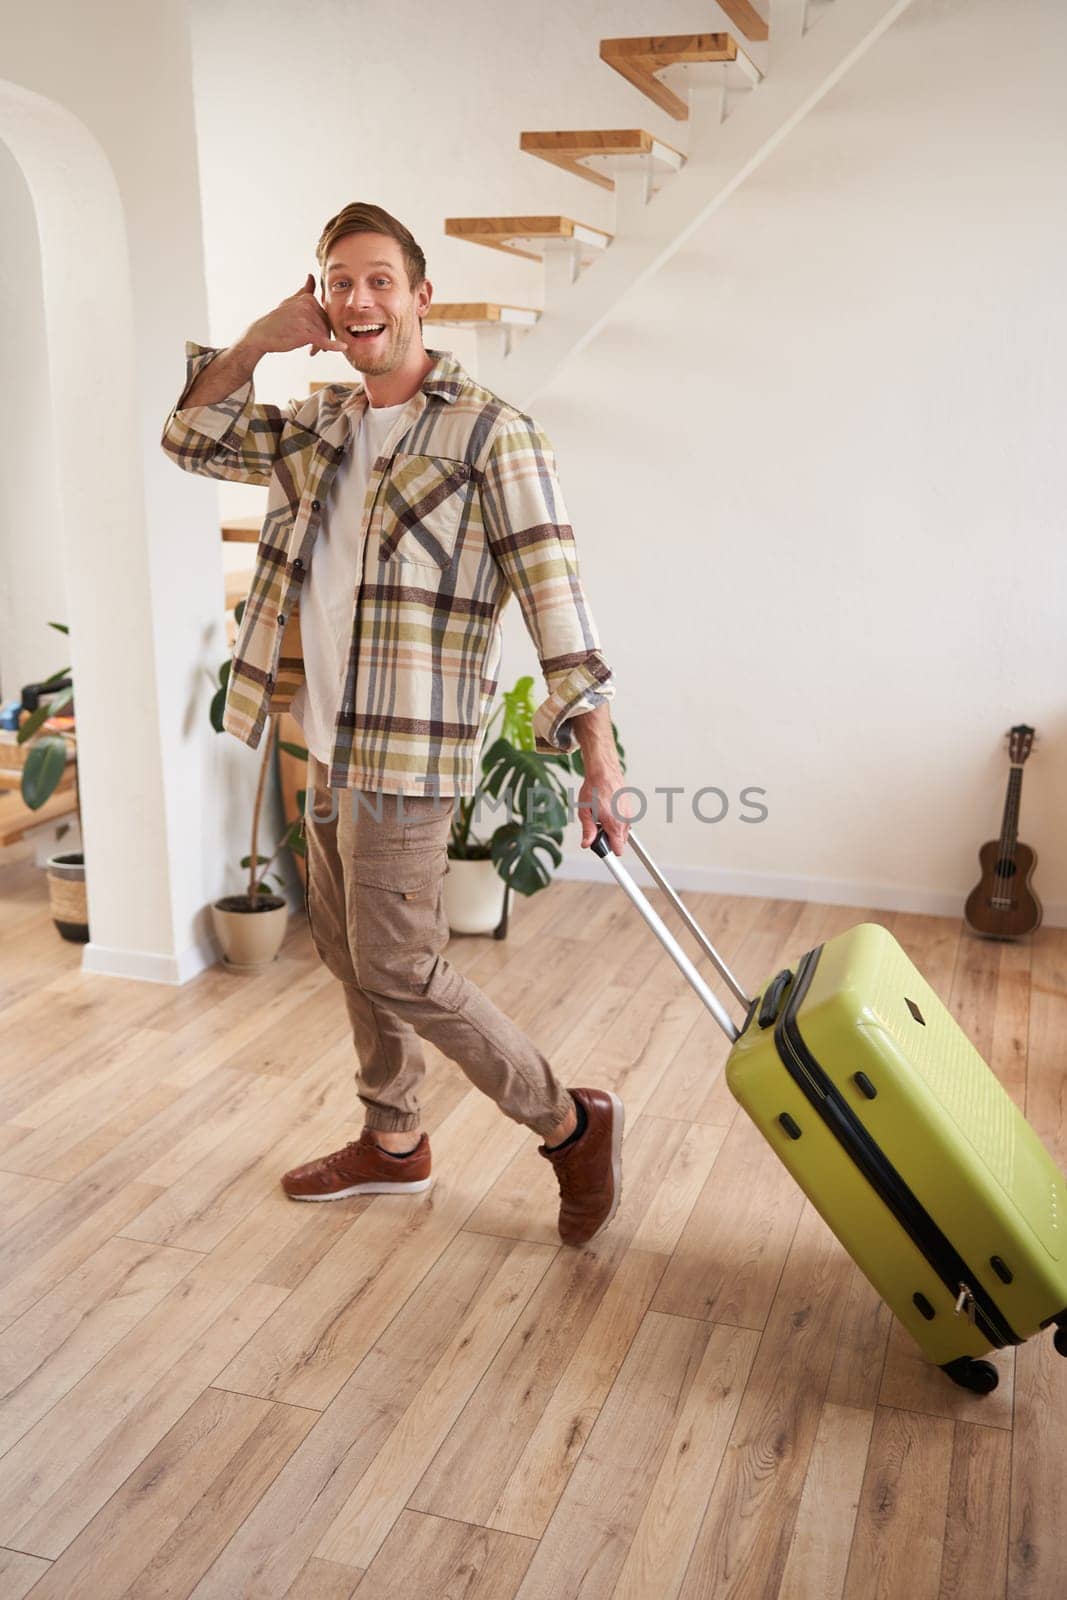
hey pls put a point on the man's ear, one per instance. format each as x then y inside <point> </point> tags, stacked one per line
<point>425,293</point>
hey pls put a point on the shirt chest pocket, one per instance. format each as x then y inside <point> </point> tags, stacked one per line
<point>425,502</point>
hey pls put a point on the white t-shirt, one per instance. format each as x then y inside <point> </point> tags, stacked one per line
<point>328,593</point>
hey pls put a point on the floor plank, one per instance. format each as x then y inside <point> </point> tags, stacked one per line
<point>477,1563</point>
<point>1037,1559</point>
<point>743,1542</point>
<point>281,1534</point>
<point>663,1541</point>
<point>540,1475</point>
<point>470,1472</point>
<point>900,1527</point>
<point>168,1521</point>
<point>363,1523</point>
<point>585,1544</point>
<point>728,1261</point>
<point>817,1562</point>
<point>974,1561</point>
<point>208,1391</point>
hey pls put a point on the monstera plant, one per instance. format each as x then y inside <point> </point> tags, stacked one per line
<point>529,789</point>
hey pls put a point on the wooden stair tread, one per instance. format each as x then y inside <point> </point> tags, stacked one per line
<point>474,313</point>
<point>518,236</point>
<point>573,149</point>
<point>638,60</point>
<point>241,530</point>
<point>587,141</point>
<point>745,16</point>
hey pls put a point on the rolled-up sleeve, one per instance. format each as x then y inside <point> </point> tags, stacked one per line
<point>533,543</point>
<point>234,438</point>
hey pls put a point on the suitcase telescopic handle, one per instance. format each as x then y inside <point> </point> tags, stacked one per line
<point>602,848</point>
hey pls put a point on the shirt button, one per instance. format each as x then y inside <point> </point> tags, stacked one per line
<point>298,565</point>
<point>281,619</point>
<point>316,505</point>
<point>270,680</point>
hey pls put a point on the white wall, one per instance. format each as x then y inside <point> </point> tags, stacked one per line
<point>846,393</point>
<point>118,217</point>
<point>33,585</point>
<point>813,467</point>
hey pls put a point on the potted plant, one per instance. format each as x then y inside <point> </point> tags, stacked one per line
<point>251,926</point>
<point>43,767</point>
<point>523,851</point>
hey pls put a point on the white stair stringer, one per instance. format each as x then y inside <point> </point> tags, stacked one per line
<point>650,235</point>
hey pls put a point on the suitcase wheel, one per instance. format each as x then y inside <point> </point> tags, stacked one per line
<point>981,1377</point>
<point>1059,1339</point>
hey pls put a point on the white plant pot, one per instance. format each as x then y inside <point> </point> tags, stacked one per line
<point>250,939</point>
<point>474,896</point>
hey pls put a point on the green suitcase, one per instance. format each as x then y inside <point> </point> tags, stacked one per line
<point>901,1137</point>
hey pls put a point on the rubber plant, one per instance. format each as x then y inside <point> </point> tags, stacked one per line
<point>292,838</point>
<point>47,761</point>
<point>530,787</point>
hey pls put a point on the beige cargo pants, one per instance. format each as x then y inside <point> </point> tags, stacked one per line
<point>376,867</point>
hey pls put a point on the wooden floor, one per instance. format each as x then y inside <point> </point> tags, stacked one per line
<point>212,1391</point>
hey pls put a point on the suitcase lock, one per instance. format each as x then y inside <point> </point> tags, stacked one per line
<point>965,1304</point>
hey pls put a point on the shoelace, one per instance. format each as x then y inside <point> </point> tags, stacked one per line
<point>337,1156</point>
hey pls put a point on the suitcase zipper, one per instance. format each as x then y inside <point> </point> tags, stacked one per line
<point>981,1310</point>
<point>965,1304</point>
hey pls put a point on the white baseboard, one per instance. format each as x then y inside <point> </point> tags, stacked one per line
<point>771,886</point>
<point>145,966</point>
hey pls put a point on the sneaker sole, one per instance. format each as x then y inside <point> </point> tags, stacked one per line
<point>367,1188</point>
<point>617,1123</point>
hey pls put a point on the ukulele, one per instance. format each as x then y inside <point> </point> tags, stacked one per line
<point>1002,904</point>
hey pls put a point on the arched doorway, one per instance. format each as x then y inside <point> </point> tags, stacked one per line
<point>96,468</point>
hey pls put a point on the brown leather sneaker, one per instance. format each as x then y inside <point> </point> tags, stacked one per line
<point>361,1168</point>
<point>590,1169</point>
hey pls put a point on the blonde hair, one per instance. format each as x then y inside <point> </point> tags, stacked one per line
<point>361,217</point>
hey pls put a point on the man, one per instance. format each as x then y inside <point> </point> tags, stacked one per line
<point>426,502</point>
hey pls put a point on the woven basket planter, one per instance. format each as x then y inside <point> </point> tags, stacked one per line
<point>66,897</point>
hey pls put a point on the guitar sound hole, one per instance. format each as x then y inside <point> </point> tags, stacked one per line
<point>1005,869</point>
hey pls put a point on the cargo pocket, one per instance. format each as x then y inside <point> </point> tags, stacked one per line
<point>399,902</point>
<point>396,898</point>
<point>424,504</point>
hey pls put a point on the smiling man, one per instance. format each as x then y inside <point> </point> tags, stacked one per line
<point>403,513</point>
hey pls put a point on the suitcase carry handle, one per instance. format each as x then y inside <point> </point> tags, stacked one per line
<point>602,848</point>
<point>772,999</point>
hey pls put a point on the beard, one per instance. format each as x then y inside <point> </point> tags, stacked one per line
<point>396,344</point>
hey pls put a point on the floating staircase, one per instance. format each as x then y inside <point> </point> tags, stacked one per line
<point>497,325</point>
<point>598,154</point>
<point>532,237</point>
<point>746,18</point>
<point>734,106</point>
<point>648,64</point>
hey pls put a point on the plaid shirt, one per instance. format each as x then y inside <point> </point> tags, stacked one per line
<point>463,509</point>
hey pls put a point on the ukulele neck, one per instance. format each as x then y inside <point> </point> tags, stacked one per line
<point>1009,827</point>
